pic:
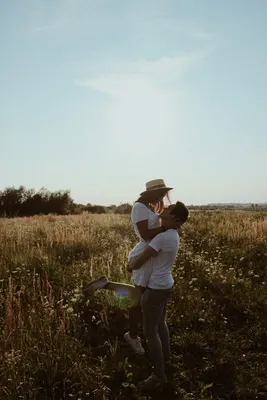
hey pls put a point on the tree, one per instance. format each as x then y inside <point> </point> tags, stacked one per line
<point>125,208</point>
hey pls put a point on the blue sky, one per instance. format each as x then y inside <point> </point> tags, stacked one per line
<point>100,96</point>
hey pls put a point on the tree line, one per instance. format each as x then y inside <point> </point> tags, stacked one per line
<point>22,202</point>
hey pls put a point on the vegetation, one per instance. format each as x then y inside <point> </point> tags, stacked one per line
<point>21,202</point>
<point>54,344</point>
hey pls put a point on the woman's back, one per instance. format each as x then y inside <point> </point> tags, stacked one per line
<point>141,212</point>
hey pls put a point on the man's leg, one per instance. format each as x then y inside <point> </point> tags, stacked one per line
<point>164,335</point>
<point>153,306</point>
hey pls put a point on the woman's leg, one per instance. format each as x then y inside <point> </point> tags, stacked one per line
<point>135,320</point>
<point>135,314</point>
<point>124,289</point>
<point>135,311</point>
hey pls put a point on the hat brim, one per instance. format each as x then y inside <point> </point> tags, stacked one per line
<point>157,189</point>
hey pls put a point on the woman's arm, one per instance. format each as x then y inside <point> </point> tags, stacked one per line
<point>146,233</point>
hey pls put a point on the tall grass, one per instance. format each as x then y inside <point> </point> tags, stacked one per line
<point>54,344</point>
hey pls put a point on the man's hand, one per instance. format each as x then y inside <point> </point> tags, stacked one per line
<point>137,262</point>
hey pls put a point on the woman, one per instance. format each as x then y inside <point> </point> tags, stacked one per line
<point>147,224</point>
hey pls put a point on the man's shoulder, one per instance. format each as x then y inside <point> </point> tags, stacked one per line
<point>171,233</point>
<point>171,237</point>
<point>167,235</point>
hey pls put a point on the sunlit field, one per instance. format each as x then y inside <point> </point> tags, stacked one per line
<point>55,344</point>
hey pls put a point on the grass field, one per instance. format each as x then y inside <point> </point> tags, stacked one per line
<point>56,345</point>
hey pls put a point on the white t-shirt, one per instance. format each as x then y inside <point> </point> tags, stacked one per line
<point>167,245</point>
<point>140,212</point>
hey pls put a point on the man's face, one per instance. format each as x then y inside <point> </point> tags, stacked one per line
<point>166,214</point>
<point>168,220</point>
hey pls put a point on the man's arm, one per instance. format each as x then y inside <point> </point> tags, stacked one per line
<point>150,251</point>
<point>137,262</point>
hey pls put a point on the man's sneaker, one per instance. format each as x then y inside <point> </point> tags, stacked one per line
<point>99,283</point>
<point>135,344</point>
<point>152,383</point>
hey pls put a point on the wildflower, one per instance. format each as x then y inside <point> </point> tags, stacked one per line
<point>192,281</point>
<point>70,310</point>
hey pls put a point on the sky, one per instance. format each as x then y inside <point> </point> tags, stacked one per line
<point>101,96</point>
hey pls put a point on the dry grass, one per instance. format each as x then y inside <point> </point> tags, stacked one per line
<point>56,345</point>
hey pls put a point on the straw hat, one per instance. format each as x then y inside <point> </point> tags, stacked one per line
<point>156,184</point>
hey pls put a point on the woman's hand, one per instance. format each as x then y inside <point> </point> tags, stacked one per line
<point>130,266</point>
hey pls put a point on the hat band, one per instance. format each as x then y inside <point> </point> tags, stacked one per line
<point>160,186</point>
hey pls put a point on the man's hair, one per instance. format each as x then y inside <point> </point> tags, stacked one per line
<point>180,211</point>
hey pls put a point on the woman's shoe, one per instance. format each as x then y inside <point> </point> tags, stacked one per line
<point>135,344</point>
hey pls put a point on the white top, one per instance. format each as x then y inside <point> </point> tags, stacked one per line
<point>167,245</point>
<point>140,212</point>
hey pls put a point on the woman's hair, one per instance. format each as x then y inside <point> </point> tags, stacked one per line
<point>154,199</point>
<point>180,211</point>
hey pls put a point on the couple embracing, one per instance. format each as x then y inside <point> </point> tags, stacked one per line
<point>151,263</point>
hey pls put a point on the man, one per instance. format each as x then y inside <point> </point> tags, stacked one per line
<point>163,250</point>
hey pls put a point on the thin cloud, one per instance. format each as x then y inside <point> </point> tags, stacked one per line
<point>145,105</point>
<point>146,73</point>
